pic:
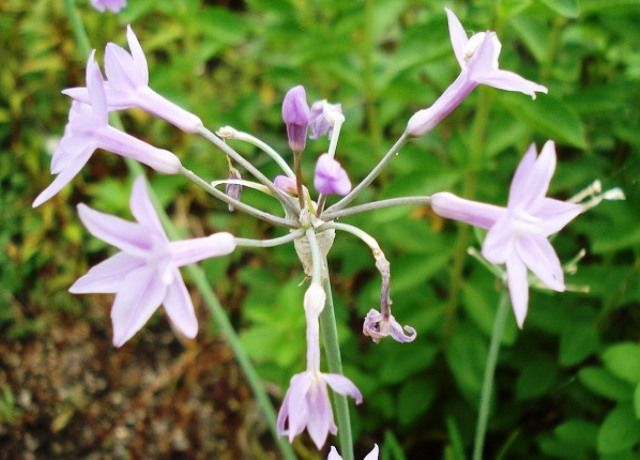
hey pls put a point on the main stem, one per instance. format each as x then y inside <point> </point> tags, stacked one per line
<point>329,333</point>
<point>489,372</point>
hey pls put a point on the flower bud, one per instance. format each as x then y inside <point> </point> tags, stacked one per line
<point>314,299</point>
<point>330,178</point>
<point>323,117</point>
<point>233,190</point>
<point>295,113</point>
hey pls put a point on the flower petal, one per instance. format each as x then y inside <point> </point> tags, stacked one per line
<point>373,455</point>
<point>538,181</point>
<point>127,236</point>
<point>140,296</point>
<point>497,245</point>
<point>186,252</point>
<point>140,61</point>
<point>518,188</point>
<point>333,454</point>
<point>481,215</point>
<point>511,81</point>
<point>118,65</point>
<point>320,414</point>
<point>518,287</point>
<point>95,87</point>
<point>344,386</point>
<point>63,178</point>
<point>298,410</point>
<point>538,255</point>
<point>484,58</point>
<point>108,276</point>
<point>142,207</point>
<point>555,214</point>
<point>457,35</point>
<point>179,308</point>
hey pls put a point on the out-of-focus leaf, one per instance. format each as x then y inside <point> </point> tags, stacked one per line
<point>566,8</point>
<point>623,360</point>
<point>619,432</point>
<point>603,383</point>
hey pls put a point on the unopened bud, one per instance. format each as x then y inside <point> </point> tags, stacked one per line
<point>233,190</point>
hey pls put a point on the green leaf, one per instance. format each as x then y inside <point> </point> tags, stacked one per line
<point>577,432</point>
<point>619,432</point>
<point>566,8</point>
<point>547,115</point>
<point>601,382</point>
<point>414,399</point>
<point>536,378</point>
<point>577,343</point>
<point>636,401</point>
<point>623,360</point>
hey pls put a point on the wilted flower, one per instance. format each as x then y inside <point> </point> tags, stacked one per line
<point>330,178</point>
<point>378,327</point>
<point>145,273</point>
<point>233,189</point>
<point>373,455</point>
<point>127,86</point>
<point>323,117</point>
<point>518,233</point>
<point>112,5</point>
<point>478,59</point>
<point>295,113</point>
<point>88,130</point>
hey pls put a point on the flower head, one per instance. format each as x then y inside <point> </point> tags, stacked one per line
<point>518,234</point>
<point>307,405</point>
<point>323,117</point>
<point>478,59</point>
<point>127,86</point>
<point>112,5</point>
<point>144,274</point>
<point>330,178</point>
<point>295,113</point>
<point>378,327</point>
<point>373,455</point>
<point>88,130</point>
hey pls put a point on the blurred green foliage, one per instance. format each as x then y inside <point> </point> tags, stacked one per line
<point>568,384</point>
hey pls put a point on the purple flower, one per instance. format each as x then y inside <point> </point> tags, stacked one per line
<point>307,405</point>
<point>478,59</point>
<point>373,455</point>
<point>378,327</point>
<point>144,274</point>
<point>112,5</point>
<point>295,113</point>
<point>88,130</point>
<point>127,86</point>
<point>330,178</point>
<point>287,184</point>
<point>323,117</point>
<point>518,233</point>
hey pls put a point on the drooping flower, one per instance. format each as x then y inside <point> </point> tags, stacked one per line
<point>330,177</point>
<point>518,233</point>
<point>145,273</point>
<point>295,113</point>
<point>323,117</point>
<point>127,86</point>
<point>112,5</point>
<point>88,130</point>
<point>373,455</point>
<point>478,59</point>
<point>378,327</point>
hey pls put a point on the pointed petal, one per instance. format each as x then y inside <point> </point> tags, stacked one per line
<point>283,414</point>
<point>539,256</point>
<point>96,92</point>
<point>139,297</point>
<point>127,236</point>
<point>179,308</point>
<point>71,149</point>
<point>320,414</point>
<point>142,208</point>
<point>497,246</point>
<point>79,93</point>
<point>518,188</point>
<point>518,287</point>
<point>482,62</point>
<point>540,177</point>
<point>457,35</point>
<point>298,410</point>
<point>186,252</point>
<point>511,81</point>
<point>555,214</point>
<point>108,276</point>
<point>333,454</point>
<point>62,179</point>
<point>481,215</point>
<point>139,59</point>
<point>344,386</point>
<point>118,65</point>
<point>373,455</point>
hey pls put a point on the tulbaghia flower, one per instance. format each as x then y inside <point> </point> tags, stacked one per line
<point>144,274</point>
<point>307,405</point>
<point>373,455</point>
<point>478,59</point>
<point>127,86</point>
<point>112,5</point>
<point>330,178</point>
<point>295,113</point>
<point>88,130</point>
<point>518,233</point>
<point>286,184</point>
<point>323,117</point>
<point>378,327</point>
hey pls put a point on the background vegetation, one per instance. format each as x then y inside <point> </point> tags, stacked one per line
<point>567,386</point>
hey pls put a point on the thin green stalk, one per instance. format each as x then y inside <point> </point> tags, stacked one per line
<point>489,371</point>
<point>329,332</point>
<point>196,273</point>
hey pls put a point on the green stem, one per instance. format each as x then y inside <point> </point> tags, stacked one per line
<point>489,371</point>
<point>196,273</point>
<point>334,361</point>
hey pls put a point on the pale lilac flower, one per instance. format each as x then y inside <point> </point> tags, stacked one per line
<point>295,113</point>
<point>378,327</point>
<point>330,178</point>
<point>307,405</point>
<point>112,5</point>
<point>127,86</point>
<point>478,59</point>
<point>518,233</point>
<point>373,455</point>
<point>323,117</point>
<point>88,130</point>
<point>145,273</point>
<point>287,184</point>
